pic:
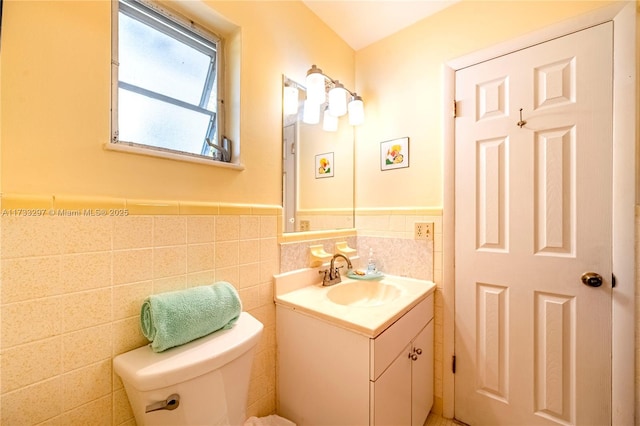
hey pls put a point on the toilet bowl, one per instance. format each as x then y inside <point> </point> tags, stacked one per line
<point>204,382</point>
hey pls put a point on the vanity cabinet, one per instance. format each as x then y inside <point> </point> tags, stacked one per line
<point>328,374</point>
<point>403,394</point>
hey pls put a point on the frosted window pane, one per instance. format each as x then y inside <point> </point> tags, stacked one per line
<point>150,122</point>
<point>155,61</point>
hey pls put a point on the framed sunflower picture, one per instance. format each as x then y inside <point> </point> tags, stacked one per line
<point>324,165</point>
<point>394,154</point>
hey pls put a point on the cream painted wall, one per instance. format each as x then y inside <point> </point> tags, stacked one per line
<point>400,79</point>
<point>326,193</point>
<point>56,62</point>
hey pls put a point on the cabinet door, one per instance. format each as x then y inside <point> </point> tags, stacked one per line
<point>391,393</point>
<point>422,376</point>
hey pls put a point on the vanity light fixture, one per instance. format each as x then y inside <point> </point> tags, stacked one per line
<point>356,111</point>
<point>329,121</point>
<point>321,88</point>
<point>311,112</point>
<point>315,85</point>
<point>338,100</point>
<point>290,100</point>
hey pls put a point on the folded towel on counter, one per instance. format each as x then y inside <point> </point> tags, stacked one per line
<point>177,317</point>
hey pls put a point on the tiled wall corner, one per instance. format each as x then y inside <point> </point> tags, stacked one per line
<point>71,290</point>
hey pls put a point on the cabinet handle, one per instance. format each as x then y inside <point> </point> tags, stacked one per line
<point>413,357</point>
<point>418,351</point>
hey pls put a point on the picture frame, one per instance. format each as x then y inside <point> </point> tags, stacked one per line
<point>324,165</point>
<point>394,154</point>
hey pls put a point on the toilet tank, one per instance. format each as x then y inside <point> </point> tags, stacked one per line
<point>210,375</point>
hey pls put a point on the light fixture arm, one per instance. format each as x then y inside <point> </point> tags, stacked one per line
<point>333,84</point>
<point>315,70</point>
<point>352,94</point>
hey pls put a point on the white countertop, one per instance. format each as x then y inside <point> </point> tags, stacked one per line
<point>302,290</point>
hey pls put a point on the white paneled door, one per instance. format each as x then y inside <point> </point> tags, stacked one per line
<point>533,209</point>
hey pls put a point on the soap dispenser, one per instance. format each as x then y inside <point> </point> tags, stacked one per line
<point>371,266</point>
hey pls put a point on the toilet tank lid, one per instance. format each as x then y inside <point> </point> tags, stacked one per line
<point>147,370</point>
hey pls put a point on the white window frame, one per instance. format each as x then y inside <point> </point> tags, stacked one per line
<point>171,18</point>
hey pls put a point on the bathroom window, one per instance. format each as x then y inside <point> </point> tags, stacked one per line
<point>166,82</point>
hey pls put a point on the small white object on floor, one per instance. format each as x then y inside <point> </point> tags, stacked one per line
<point>272,420</point>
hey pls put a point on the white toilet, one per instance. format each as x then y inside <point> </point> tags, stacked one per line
<point>205,382</point>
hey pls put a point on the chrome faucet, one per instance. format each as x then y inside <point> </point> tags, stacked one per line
<point>332,275</point>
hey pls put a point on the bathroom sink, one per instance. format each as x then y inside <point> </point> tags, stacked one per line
<point>367,307</point>
<point>364,293</point>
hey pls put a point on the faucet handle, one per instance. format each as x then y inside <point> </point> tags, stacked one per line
<point>326,273</point>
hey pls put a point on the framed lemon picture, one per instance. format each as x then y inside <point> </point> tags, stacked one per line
<point>394,154</point>
<point>324,165</point>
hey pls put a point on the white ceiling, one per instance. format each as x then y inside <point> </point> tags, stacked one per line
<point>362,22</point>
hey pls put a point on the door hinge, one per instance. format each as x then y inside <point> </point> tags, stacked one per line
<point>453,364</point>
<point>455,109</point>
<point>613,281</point>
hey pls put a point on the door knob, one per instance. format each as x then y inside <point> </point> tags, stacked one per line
<point>591,279</point>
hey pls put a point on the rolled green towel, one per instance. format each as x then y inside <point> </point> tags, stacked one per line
<point>177,317</point>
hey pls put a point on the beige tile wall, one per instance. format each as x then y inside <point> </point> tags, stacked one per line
<point>403,257</point>
<point>71,291</point>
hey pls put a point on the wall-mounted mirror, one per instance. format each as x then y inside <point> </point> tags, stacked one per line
<point>318,169</point>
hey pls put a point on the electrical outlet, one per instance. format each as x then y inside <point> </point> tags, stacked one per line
<point>305,225</point>
<point>424,231</point>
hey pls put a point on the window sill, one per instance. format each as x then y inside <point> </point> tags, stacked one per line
<point>123,147</point>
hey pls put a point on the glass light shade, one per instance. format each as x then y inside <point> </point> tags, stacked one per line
<point>329,122</point>
<point>338,100</point>
<point>315,85</point>
<point>356,111</point>
<point>290,100</point>
<point>311,113</point>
